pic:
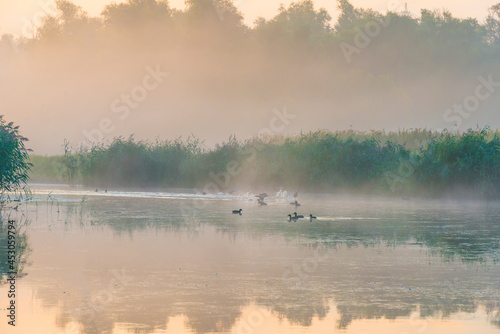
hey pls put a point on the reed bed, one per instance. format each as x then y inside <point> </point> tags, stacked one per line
<point>408,162</point>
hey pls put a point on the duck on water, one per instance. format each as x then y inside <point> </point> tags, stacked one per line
<point>261,203</point>
<point>237,212</point>
<point>262,196</point>
<point>295,217</point>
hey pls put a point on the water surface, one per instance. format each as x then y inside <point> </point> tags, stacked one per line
<point>181,262</point>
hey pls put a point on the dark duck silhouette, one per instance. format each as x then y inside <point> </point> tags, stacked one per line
<point>262,196</point>
<point>290,218</point>
<point>237,212</point>
<point>297,216</point>
<point>311,217</point>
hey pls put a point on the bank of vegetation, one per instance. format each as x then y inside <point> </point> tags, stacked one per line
<point>413,162</point>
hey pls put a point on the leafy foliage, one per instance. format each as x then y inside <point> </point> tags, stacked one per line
<point>14,165</point>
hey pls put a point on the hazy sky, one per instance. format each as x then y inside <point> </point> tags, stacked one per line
<point>15,15</point>
<point>206,89</point>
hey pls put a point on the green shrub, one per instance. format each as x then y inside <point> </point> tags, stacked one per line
<point>14,165</point>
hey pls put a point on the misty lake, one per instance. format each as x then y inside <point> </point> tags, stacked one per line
<point>180,262</point>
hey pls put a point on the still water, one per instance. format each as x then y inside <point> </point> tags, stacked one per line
<point>179,262</point>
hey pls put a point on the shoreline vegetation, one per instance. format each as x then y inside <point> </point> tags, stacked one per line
<point>414,163</point>
<point>14,165</point>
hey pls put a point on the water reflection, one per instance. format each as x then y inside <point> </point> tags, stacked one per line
<point>139,265</point>
<point>461,233</point>
<point>21,246</point>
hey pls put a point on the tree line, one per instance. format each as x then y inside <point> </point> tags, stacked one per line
<point>448,41</point>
